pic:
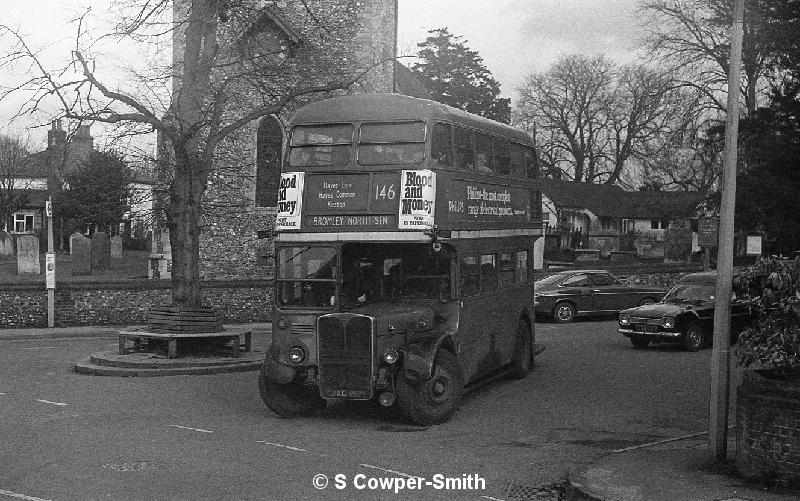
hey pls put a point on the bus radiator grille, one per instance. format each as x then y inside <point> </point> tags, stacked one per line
<point>345,356</point>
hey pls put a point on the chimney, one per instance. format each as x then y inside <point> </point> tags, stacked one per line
<point>54,158</point>
<point>56,136</point>
<point>80,145</point>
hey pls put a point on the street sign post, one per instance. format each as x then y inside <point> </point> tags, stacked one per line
<point>50,266</point>
<point>707,237</point>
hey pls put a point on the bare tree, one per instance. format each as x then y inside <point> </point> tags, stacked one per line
<point>594,119</point>
<point>693,36</point>
<point>228,69</point>
<point>567,103</point>
<point>13,151</point>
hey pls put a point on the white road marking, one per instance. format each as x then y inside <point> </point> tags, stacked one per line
<point>281,445</point>
<point>49,402</point>
<point>41,348</point>
<point>20,496</point>
<point>490,498</point>
<point>391,471</point>
<point>193,429</point>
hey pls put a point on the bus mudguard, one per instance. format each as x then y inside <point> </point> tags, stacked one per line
<point>418,358</point>
<point>276,371</point>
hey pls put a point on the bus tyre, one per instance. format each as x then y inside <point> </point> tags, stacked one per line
<point>435,400</point>
<point>564,312</point>
<point>694,338</point>
<point>522,359</point>
<point>291,399</point>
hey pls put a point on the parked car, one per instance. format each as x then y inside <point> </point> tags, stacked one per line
<point>571,293</point>
<point>684,316</point>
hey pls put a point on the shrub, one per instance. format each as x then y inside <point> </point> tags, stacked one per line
<point>773,341</point>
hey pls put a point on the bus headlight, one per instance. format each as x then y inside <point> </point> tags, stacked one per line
<point>668,322</point>
<point>624,319</point>
<point>296,354</point>
<point>390,356</point>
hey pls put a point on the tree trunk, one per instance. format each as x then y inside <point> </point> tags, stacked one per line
<point>183,220</point>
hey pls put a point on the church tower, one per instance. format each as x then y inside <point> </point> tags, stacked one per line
<point>316,41</point>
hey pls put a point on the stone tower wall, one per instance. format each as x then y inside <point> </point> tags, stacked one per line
<point>235,240</point>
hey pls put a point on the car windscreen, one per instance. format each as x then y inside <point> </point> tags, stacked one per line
<point>691,292</point>
<point>552,279</point>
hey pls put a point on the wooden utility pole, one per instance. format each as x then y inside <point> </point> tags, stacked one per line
<point>720,357</point>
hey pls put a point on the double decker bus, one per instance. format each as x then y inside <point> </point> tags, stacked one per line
<point>404,252</point>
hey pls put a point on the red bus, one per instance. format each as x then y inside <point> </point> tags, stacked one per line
<point>404,252</point>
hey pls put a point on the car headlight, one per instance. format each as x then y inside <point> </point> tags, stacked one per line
<point>624,319</point>
<point>296,354</point>
<point>668,322</point>
<point>391,356</point>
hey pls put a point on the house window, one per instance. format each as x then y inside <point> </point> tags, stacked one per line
<point>654,224</point>
<point>23,223</point>
<point>627,226</point>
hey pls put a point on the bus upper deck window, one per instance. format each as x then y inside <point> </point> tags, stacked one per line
<point>484,161</point>
<point>530,163</point>
<point>502,159</point>
<point>441,146</point>
<point>462,140</point>
<point>320,145</point>
<point>517,159</point>
<point>391,143</point>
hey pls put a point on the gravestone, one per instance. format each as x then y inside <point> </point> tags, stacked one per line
<point>81,249</point>
<point>6,244</point>
<point>116,247</point>
<point>101,251</point>
<point>28,255</point>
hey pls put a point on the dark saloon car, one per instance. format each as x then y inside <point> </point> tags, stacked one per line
<point>571,293</point>
<point>684,316</point>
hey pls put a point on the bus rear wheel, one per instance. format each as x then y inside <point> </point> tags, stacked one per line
<point>522,359</point>
<point>290,399</point>
<point>435,400</point>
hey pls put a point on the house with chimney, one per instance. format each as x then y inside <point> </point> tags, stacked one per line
<point>42,172</point>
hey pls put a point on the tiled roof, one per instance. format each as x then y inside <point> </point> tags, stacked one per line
<point>612,201</point>
<point>600,199</point>
<point>34,166</point>
<point>34,198</point>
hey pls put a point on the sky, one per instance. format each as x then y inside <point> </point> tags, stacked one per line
<point>518,37</point>
<point>514,37</point>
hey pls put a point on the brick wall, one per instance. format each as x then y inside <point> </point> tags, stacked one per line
<point>768,430</point>
<point>127,303</point>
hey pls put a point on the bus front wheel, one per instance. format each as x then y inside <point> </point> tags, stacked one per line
<point>435,400</point>
<point>290,399</point>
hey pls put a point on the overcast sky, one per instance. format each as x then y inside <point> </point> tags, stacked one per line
<point>514,37</point>
<point>518,37</point>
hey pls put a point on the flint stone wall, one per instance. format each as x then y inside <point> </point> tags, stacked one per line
<point>127,303</point>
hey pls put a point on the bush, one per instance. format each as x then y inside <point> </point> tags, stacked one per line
<point>773,341</point>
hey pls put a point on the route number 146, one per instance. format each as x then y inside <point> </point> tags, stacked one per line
<point>384,192</point>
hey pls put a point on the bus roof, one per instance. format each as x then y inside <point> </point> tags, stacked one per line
<point>390,107</point>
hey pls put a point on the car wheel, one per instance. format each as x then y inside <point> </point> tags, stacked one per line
<point>640,342</point>
<point>291,399</point>
<point>521,362</point>
<point>646,301</point>
<point>694,338</point>
<point>435,400</point>
<point>564,313</point>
